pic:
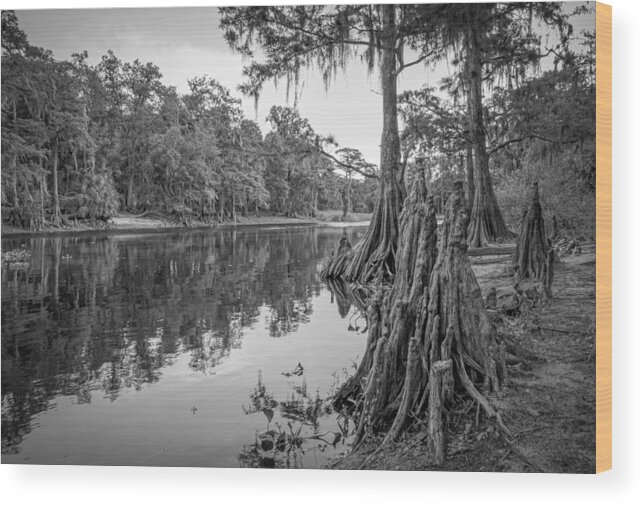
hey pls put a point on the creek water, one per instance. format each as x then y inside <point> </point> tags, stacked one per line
<point>210,348</point>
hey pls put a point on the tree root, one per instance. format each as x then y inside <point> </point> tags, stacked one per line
<point>374,256</point>
<point>452,342</point>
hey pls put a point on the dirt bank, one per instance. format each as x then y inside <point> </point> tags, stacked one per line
<point>548,404</point>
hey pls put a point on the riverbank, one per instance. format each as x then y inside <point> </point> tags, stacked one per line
<point>548,403</point>
<point>134,224</point>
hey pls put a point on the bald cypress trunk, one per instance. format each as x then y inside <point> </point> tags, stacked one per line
<point>487,224</point>
<point>429,335</point>
<point>533,258</point>
<point>346,197</point>
<point>54,186</point>
<point>374,256</point>
<point>471,186</point>
<point>393,316</point>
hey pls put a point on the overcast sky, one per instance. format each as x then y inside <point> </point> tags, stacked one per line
<point>186,42</point>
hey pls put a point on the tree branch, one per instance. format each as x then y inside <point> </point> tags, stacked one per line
<point>347,166</point>
<point>419,60</point>
<point>320,151</point>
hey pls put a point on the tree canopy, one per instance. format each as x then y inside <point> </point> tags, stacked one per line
<point>83,141</point>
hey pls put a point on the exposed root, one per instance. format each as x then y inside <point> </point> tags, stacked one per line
<point>452,342</point>
<point>373,257</point>
<point>337,262</point>
<point>487,225</point>
<point>393,316</point>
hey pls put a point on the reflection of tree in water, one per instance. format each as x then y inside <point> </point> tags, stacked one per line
<point>105,313</point>
<point>285,441</point>
<point>287,315</point>
<point>346,296</point>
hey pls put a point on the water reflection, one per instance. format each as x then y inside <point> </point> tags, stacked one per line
<point>347,296</point>
<point>100,314</point>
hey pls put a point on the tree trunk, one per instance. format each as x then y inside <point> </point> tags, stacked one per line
<point>14,169</point>
<point>315,209</point>
<point>43,193</point>
<point>42,202</point>
<point>393,317</point>
<point>54,178</point>
<point>14,183</point>
<point>374,256</point>
<point>432,334</point>
<point>130,193</point>
<point>532,257</point>
<point>440,391</point>
<point>487,224</point>
<point>346,198</point>
<point>471,185</point>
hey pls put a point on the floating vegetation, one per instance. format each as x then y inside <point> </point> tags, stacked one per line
<point>284,445</point>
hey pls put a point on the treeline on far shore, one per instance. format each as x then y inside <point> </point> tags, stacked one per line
<point>83,141</point>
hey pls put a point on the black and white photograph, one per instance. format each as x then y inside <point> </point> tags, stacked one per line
<point>330,237</point>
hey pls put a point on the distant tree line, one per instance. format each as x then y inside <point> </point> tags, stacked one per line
<point>83,141</point>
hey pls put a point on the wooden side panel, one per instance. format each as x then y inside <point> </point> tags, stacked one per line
<point>603,237</point>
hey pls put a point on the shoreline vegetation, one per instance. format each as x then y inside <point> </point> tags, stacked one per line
<point>129,223</point>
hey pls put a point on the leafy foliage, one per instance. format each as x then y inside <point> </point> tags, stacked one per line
<point>85,142</point>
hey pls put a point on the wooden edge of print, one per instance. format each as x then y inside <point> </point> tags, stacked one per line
<point>603,237</point>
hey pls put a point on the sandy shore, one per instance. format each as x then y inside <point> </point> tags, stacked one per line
<point>129,223</point>
<point>334,224</point>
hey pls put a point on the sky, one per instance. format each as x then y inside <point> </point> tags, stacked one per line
<point>186,42</point>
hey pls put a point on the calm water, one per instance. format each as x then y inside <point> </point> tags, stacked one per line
<point>174,349</point>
